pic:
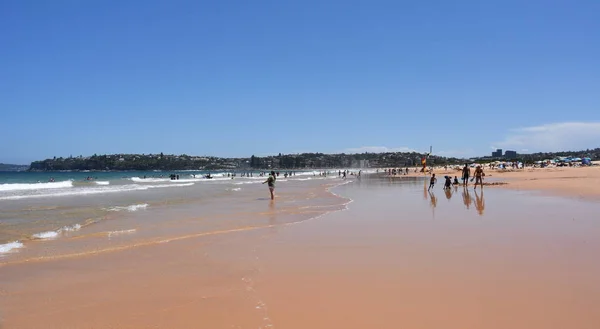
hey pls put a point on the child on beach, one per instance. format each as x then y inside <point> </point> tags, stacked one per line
<point>271,182</point>
<point>432,182</point>
<point>448,182</point>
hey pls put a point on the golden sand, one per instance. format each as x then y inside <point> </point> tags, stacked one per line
<point>386,262</point>
<point>579,182</point>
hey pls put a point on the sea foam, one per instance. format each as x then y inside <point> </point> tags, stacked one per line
<point>45,235</point>
<point>35,186</point>
<point>133,207</point>
<point>54,234</point>
<point>112,233</point>
<point>7,247</point>
<point>149,180</point>
<point>94,190</point>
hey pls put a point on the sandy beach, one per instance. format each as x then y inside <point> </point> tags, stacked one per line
<point>575,182</point>
<point>381,253</point>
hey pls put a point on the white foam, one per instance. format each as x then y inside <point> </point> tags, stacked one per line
<point>111,233</point>
<point>149,180</point>
<point>54,234</point>
<point>236,189</point>
<point>254,182</point>
<point>95,190</point>
<point>45,235</point>
<point>7,247</point>
<point>71,228</point>
<point>35,186</point>
<point>102,182</point>
<point>133,207</point>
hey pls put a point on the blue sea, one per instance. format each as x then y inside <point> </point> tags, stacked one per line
<point>74,212</point>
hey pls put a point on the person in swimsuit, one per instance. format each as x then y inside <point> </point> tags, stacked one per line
<point>271,182</point>
<point>479,176</point>
<point>432,182</point>
<point>466,172</point>
<point>448,182</point>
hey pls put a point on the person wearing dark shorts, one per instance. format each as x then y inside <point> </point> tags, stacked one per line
<point>466,172</point>
<point>432,182</point>
<point>271,182</point>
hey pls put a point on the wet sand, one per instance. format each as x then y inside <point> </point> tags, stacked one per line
<point>575,182</point>
<point>398,257</point>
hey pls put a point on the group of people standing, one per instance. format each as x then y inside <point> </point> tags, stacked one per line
<point>466,174</point>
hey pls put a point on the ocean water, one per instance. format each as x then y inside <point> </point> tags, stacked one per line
<point>73,214</point>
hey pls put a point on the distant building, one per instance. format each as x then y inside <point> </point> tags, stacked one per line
<point>510,154</point>
<point>497,153</point>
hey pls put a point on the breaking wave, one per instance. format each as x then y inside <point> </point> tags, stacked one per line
<point>112,233</point>
<point>133,207</point>
<point>94,190</point>
<point>7,247</point>
<point>54,234</point>
<point>35,186</point>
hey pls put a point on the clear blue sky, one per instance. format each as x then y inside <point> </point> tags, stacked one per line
<point>236,78</point>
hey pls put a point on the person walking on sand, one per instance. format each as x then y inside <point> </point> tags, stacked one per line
<point>271,182</point>
<point>479,176</point>
<point>466,172</point>
<point>432,182</point>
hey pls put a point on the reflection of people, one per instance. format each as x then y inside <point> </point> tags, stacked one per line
<point>448,193</point>
<point>479,203</point>
<point>272,219</point>
<point>432,199</point>
<point>466,198</point>
<point>271,182</point>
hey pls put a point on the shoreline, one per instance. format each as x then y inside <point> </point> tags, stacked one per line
<point>18,251</point>
<point>379,250</point>
<point>211,270</point>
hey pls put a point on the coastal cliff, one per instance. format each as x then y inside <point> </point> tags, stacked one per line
<point>282,161</point>
<point>187,162</point>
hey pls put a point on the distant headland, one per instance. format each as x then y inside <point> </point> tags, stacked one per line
<point>13,167</point>
<point>118,162</point>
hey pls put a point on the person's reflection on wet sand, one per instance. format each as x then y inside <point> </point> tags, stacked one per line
<point>272,212</point>
<point>466,197</point>
<point>432,199</point>
<point>448,193</point>
<point>479,203</point>
<point>425,194</point>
